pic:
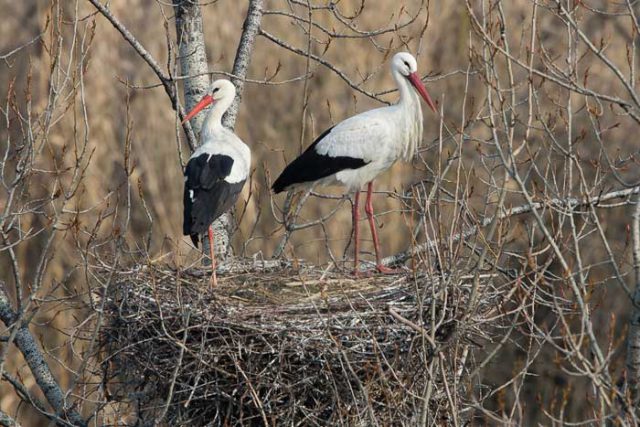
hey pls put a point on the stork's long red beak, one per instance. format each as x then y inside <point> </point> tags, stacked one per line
<point>414,78</point>
<point>204,102</point>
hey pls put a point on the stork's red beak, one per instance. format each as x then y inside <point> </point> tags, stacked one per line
<point>204,102</point>
<point>414,78</point>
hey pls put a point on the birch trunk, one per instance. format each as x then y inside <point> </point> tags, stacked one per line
<point>633,339</point>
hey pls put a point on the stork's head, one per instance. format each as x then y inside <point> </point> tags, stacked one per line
<point>221,91</point>
<point>407,66</point>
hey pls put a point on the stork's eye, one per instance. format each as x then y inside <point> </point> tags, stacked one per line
<point>407,64</point>
<point>215,90</point>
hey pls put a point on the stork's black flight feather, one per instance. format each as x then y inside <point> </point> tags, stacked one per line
<point>311,166</point>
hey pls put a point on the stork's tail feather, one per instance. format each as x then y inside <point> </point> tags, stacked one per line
<point>195,239</point>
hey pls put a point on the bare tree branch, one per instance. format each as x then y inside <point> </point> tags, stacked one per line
<point>38,366</point>
<point>568,204</point>
<point>7,421</point>
<point>322,61</point>
<point>243,57</point>
<point>165,79</point>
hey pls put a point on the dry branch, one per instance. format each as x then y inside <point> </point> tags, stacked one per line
<point>7,421</point>
<point>165,79</point>
<point>27,345</point>
<point>568,204</point>
<point>244,52</point>
<point>286,346</point>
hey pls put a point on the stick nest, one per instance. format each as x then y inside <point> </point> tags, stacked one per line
<point>284,346</point>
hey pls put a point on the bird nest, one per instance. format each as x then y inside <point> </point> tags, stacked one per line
<point>285,346</point>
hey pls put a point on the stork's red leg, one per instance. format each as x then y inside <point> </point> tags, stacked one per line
<point>214,280</point>
<point>368,208</point>
<point>355,219</point>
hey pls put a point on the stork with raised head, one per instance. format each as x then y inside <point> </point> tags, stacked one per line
<point>216,171</point>
<point>354,152</point>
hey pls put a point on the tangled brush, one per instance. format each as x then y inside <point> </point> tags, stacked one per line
<point>286,346</point>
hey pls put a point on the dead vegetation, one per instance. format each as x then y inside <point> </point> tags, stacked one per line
<point>291,346</point>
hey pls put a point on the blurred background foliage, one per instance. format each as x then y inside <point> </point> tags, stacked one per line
<point>129,120</point>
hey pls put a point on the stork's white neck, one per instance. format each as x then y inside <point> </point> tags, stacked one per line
<point>213,122</point>
<point>408,95</point>
<point>410,115</point>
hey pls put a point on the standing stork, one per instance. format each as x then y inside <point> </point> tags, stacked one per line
<point>216,171</point>
<point>354,152</point>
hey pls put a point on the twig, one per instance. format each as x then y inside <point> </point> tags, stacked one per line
<point>413,326</point>
<point>176,370</point>
<point>38,366</point>
<point>319,60</point>
<point>568,204</point>
<point>7,421</point>
<point>165,79</point>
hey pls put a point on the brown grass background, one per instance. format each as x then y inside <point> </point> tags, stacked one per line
<point>271,118</point>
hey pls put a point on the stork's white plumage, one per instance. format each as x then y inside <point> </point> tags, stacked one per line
<point>354,152</point>
<point>216,171</point>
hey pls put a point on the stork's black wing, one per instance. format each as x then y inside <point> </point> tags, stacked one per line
<point>311,166</point>
<point>207,194</point>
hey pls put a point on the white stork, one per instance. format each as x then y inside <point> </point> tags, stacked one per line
<point>216,171</point>
<point>354,152</point>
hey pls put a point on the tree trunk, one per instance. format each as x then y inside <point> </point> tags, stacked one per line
<point>633,338</point>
